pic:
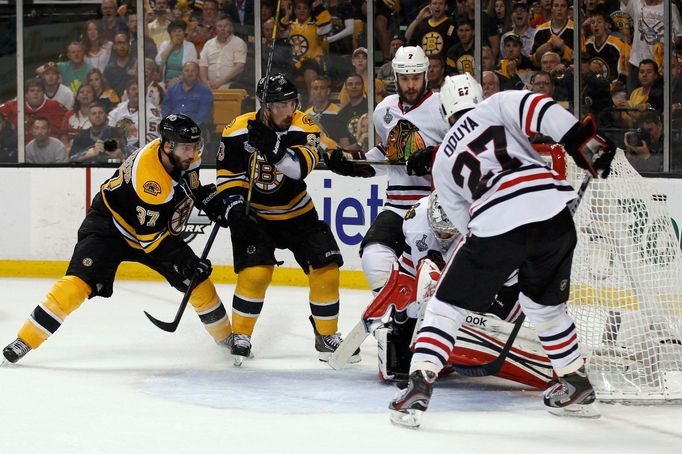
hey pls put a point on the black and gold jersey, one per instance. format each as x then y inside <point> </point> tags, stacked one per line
<point>275,196</point>
<point>146,203</point>
<point>305,37</point>
<point>612,55</point>
<point>460,60</point>
<point>435,37</point>
<point>544,33</point>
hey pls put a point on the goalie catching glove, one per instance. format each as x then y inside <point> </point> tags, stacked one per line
<point>223,210</point>
<point>589,149</point>
<point>341,162</point>
<point>269,144</point>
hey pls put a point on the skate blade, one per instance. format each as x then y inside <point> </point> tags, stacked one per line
<point>410,419</point>
<point>576,411</point>
<point>325,357</point>
<point>6,363</point>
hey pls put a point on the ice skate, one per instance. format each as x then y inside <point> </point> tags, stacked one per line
<point>326,345</point>
<point>572,395</point>
<point>240,348</point>
<point>410,404</point>
<point>15,351</point>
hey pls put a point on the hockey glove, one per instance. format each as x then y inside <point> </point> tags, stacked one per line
<point>219,208</point>
<point>268,143</point>
<point>589,149</point>
<point>193,265</point>
<point>338,162</point>
<point>421,161</point>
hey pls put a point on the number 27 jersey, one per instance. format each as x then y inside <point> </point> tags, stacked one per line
<point>489,178</point>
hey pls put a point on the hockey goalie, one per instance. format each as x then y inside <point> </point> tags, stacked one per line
<point>431,239</point>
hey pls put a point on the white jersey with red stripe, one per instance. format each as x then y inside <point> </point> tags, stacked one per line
<point>404,190</point>
<point>487,167</point>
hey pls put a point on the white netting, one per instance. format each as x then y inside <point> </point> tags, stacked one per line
<point>626,287</point>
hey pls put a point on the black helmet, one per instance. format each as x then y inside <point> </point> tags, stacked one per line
<point>279,89</point>
<point>179,128</point>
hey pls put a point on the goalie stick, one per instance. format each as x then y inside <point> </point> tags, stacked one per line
<point>173,325</point>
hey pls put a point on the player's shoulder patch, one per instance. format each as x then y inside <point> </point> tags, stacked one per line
<point>238,125</point>
<point>412,212</point>
<point>151,187</point>
<point>304,122</point>
<point>151,182</point>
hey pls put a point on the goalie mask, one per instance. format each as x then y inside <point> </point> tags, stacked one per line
<point>458,93</point>
<point>439,223</point>
<point>410,60</point>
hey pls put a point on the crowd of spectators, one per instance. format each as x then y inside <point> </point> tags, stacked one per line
<point>193,48</point>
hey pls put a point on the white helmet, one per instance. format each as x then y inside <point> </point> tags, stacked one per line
<point>439,223</point>
<point>410,60</point>
<point>458,93</point>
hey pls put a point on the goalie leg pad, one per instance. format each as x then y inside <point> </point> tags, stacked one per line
<point>397,293</point>
<point>557,334</point>
<point>394,350</point>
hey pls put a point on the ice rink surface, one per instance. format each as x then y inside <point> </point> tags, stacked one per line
<point>111,382</point>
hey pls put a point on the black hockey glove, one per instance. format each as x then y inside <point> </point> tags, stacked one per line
<point>337,161</point>
<point>589,149</point>
<point>268,143</point>
<point>221,209</point>
<point>193,265</point>
<point>421,161</point>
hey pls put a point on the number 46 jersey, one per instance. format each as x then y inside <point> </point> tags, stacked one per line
<point>487,173</point>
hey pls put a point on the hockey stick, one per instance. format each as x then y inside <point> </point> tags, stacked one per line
<point>494,366</point>
<point>172,326</point>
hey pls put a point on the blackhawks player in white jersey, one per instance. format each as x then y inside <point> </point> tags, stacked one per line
<point>405,122</point>
<point>517,218</point>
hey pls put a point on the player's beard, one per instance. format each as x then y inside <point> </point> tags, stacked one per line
<point>414,95</point>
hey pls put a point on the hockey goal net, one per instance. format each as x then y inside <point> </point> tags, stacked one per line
<point>626,285</point>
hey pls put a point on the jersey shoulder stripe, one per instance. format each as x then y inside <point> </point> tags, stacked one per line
<point>238,125</point>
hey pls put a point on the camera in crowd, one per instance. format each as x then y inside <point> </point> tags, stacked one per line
<point>638,137</point>
<point>110,145</point>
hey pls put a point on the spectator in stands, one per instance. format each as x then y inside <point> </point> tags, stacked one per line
<point>521,26</point>
<point>149,46</point>
<point>562,76</point>
<point>349,116</point>
<point>8,140</point>
<point>77,119</point>
<point>242,14</point>
<point>106,95</point>
<point>676,84</point>
<point>190,97</point>
<point>542,82</point>
<point>283,58</point>
<point>122,65</point>
<point>223,57</point>
<point>111,22</point>
<point>173,54</point>
<point>460,57</point>
<point>306,35</point>
<point>555,35</point>
<point>542,13</point>
<point>385,72</point>
<point>435,74</point>
<point>606,48</point>
<point>363,133</point>
<point>97,50</point>
<point>515,65</point>
<point>158,28</point>
<point>74,70</point>
<point>125,117</point>
<point>324,112</point>
<point>644,147</point>
<point>383,11</point>
<point>640,98</point>
<point>340,39</point>
<point>360,59</point>
<point>433,30</point>
<point>35,103</point>
<point>649,33</point>
<point>99,143</point>
<point>497,9</point>
<point>489,34</point>
<point>490,83</point>
<point>44,149</point>
<point>55,90</point>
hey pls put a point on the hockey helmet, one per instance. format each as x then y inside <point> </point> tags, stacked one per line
<point>279,88</point>
<point>410,60</point>
<point>179,128</point>
<point>439,223</point>
<point>459,93</point>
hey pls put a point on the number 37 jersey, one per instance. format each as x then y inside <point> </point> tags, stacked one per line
<point>489,178</point>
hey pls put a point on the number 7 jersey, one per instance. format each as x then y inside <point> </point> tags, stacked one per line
<point>489,178</point>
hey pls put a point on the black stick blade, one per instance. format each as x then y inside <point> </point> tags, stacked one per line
<point>166,326</point>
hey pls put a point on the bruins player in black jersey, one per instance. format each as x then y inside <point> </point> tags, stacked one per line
<point>137,216</point>
<point>283,142</point>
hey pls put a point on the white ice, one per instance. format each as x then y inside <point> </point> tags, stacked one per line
<point>111,382</point>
